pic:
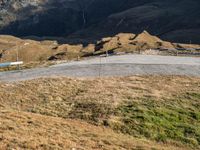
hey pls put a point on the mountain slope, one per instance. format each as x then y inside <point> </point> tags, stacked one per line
<point>93,19</point>
<point>178,22</point>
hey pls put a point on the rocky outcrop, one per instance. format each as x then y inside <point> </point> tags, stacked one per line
<point>127,42</point>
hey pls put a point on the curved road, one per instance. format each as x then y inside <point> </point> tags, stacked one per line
<point>121,65</point>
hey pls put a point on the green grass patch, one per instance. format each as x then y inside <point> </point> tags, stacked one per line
<point>158,121</point>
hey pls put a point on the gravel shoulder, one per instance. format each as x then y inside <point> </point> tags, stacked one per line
<point>123,65</point>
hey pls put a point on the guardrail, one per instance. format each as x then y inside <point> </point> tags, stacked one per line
<point>7,64</point>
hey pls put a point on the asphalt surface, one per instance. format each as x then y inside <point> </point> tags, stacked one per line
<point>123,65</point>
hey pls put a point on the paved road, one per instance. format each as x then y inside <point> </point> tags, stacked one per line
<point>122,65</point>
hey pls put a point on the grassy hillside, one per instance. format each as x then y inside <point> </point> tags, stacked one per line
<point>20,130</point>
<point>161,109</point>
<point>43,53</point>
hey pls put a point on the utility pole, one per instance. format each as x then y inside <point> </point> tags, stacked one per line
<point>18,67</point>
<point>21,44</point>
<point>106,53</point>
<point>17,54</point>
<point>99,66</point>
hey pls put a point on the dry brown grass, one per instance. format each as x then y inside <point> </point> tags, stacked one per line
<point>35,114</point>
<point>28,50</point>
<point>103,90</point>
<point>20,130</point>
<point>35,51</point>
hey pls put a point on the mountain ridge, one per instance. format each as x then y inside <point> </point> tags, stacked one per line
<point>85,20</point>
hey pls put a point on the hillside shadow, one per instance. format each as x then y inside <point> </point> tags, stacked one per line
<point>57,24</point>
<point>66,25</point>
